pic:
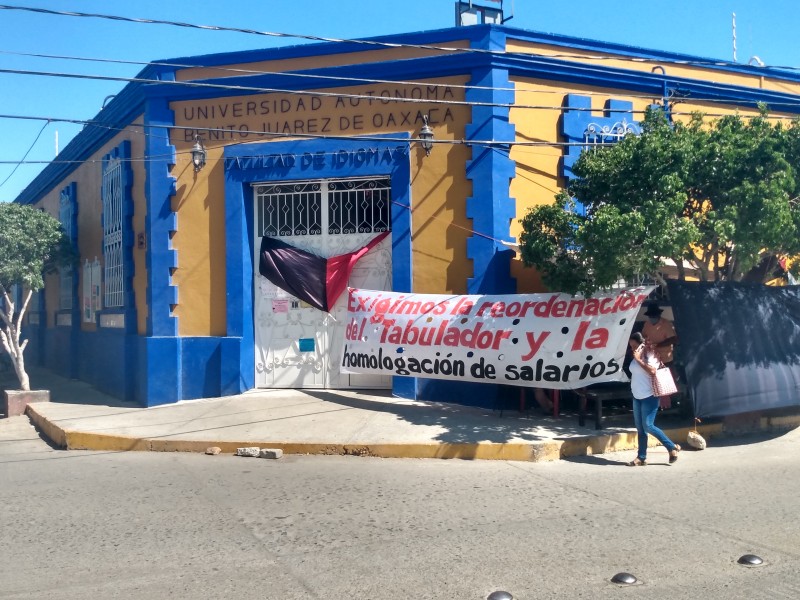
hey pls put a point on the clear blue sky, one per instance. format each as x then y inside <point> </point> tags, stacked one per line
<point>766,28</point>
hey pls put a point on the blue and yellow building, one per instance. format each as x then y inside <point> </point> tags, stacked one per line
<point>319,145</point>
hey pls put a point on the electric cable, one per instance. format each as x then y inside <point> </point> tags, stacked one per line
<point>18,163</point>
<point>338,95</point>
<point>134,128</point>
<point>517,89</point>
<point>372,42</point>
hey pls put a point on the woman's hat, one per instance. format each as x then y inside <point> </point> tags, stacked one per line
<point>653,310</point>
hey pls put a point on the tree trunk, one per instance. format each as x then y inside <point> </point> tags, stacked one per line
<point>22,375</point>
<point>10,333</point>
<point>681,269</point>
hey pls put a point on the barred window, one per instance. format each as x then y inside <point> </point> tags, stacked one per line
<point>66,215</point>
<point>91,290</point>
<point>359,206</point>
<point>289,209</point>
<point>602,134</point>
<point>35,303</point>
<point>337,207</point>
<point>113,197</point>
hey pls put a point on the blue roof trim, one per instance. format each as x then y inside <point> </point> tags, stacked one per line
<point>517,64</point>
<point>650,83</point>
<point>638,52</point>
<point>432,37</point>
<point>419,68</point>
<point>118,113</point>
<point>473,35</point>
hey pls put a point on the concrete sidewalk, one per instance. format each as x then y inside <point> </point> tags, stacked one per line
<point>364,423</point>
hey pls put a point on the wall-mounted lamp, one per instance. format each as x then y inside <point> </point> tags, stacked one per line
<point>426,135</point>
<point>198,154</point>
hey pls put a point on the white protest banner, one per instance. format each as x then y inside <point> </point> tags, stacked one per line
<point>539,340</point>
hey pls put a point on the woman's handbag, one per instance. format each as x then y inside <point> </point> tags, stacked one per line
<point>663,383</point>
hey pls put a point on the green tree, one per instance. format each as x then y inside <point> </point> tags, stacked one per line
<point>721,196</point>
<point>31,243</point>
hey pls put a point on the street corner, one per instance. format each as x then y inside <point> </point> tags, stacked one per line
<point>54,434</point>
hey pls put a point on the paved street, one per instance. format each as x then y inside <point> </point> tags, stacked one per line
<point>145,524</point>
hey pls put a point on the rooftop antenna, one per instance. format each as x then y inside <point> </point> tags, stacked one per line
<point>56,142</point>
<point>734,37</point>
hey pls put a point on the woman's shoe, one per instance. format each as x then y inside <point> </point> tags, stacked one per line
<point>637,462</point>
<point>673,454</point>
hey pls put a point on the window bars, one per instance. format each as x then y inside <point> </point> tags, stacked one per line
<point>66,211</point>
<point>112,233</point>
<point>338,207</point>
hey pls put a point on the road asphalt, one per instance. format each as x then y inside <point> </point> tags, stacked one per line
<point>352,422</point>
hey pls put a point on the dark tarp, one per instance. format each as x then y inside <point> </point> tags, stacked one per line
<point>740,344</point>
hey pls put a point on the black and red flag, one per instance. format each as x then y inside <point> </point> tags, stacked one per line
<point>316,280</point>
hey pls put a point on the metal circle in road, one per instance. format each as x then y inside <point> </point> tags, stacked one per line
<point>500,595</point>
<point>750,560</point>
<point>624,579</point>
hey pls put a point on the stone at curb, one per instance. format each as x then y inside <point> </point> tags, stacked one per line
<point>16,401</point>
<point>213,450</point>
<point>271,453</point>
<point>251,451</point>
<point>695,440</point>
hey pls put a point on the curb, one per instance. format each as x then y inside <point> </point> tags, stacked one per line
<point>543,451</point>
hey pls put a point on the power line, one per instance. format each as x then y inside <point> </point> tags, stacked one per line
<point>264,90</point>
<point>18,163</point>
<point>368,97</point>
<point>353,80</point>
<point>242,71</point>
<point>383,44</point>
<point>312,38</point>
<point>143,130</point>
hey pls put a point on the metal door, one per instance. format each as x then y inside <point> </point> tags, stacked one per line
<point>297,345</point>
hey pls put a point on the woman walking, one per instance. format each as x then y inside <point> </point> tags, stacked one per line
<point>645,404</point>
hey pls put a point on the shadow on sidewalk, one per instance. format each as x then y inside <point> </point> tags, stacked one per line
<point>69,391</point>
<point>469,424</point>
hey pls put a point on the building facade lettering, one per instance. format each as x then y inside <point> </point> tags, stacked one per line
<point>335,159</point>
<point>315,115</point>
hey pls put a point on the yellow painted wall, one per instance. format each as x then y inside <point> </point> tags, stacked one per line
<point>312,62</point>
<point>605,60</point>
<point>88,177</point>
<point>439,186</point>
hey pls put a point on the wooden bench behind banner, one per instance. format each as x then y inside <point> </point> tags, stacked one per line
<point>599,393</point>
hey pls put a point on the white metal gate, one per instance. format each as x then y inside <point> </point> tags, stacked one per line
<point>297,345</point>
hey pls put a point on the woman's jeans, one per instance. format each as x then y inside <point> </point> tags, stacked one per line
<point>644,415</point>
